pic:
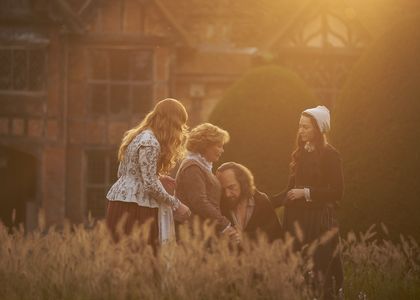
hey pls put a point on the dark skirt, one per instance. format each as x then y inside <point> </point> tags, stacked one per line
<point>318,224</point>
<point>135,215</point>
<point>313,222</point>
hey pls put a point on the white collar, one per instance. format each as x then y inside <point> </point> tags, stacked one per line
<point>309,147</point>
<point>200,158</point>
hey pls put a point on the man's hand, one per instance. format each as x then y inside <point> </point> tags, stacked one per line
<point>233,235</point>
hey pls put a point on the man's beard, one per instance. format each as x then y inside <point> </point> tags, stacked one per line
<point>233,202</point>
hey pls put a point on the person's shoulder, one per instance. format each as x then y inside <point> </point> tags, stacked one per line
<point>263,203</point>
<point>146,138</point>
<point>225,209</point>
<point>261,197</point>
<point>331,154</point>
<point>331,150</point>
<point>190,166</point>
<point>189,162</point>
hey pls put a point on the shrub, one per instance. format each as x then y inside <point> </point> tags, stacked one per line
<point>377,130</point>
<point>261,112</point>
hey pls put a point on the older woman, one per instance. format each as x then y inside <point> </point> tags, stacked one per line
<point>196,185</point>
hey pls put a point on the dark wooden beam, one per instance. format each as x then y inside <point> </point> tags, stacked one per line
<point>123,39</point>
<point>71,18</point>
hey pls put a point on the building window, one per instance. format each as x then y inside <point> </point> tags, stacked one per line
<point>22,69</point>
<point>120,81</point>
<point>101,173</point>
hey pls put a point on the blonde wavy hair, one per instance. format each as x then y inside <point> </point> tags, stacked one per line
<point>168,122</point>
<point>205,135</point>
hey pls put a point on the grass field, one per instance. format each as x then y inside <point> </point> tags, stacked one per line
<point>79,263</point>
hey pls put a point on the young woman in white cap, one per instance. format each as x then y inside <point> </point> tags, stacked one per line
<point>312,196</point>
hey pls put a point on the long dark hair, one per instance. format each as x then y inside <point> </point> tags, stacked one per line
<point>319,141</point>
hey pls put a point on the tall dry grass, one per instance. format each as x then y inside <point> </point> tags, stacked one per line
<point>377,268</point>
<point>79,263</point>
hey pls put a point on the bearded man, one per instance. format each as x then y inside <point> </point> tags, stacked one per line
<point>248,209</point>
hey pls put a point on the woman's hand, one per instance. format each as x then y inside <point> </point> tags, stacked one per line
<point>295,194</point>
<point>182,213</point>
<point>168,183</point>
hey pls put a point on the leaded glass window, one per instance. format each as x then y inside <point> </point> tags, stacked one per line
<point>22,69</point>
<point>120,81</point>
<point>101,173</point>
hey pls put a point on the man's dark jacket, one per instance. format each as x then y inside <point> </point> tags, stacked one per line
<point>263,218</point>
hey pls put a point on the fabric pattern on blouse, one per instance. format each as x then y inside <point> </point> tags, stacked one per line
<point>138,180</point>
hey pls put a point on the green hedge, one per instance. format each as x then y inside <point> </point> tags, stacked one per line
<point>261,112</point>
<point>377,129</point>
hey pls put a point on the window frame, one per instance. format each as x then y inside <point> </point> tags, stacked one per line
<point>42,91</point>
<point>110,177</point>
<point>130,84</point>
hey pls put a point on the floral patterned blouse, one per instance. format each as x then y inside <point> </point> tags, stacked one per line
<point>138,180</point>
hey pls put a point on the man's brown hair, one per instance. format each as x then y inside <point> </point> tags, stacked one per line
<point>243,175</point>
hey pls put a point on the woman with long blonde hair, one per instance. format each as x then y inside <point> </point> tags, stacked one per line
<point>148,151</point>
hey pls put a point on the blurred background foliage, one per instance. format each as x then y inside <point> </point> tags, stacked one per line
<point>375,124</point>
<point>376,127</point>
<point>260,112</point>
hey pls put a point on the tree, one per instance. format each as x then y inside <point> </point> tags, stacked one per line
<point>261,112</point>
<point>378,133</point>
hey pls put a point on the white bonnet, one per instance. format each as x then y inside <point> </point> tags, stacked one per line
<point>322,116</point>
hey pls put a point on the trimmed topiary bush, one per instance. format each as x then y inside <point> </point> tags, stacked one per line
<point>377,130</point>
<point>261,112</point>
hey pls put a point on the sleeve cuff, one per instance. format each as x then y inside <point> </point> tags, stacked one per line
<point>226,228</point>
<point>176,204</point>
<point>307,193</point>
